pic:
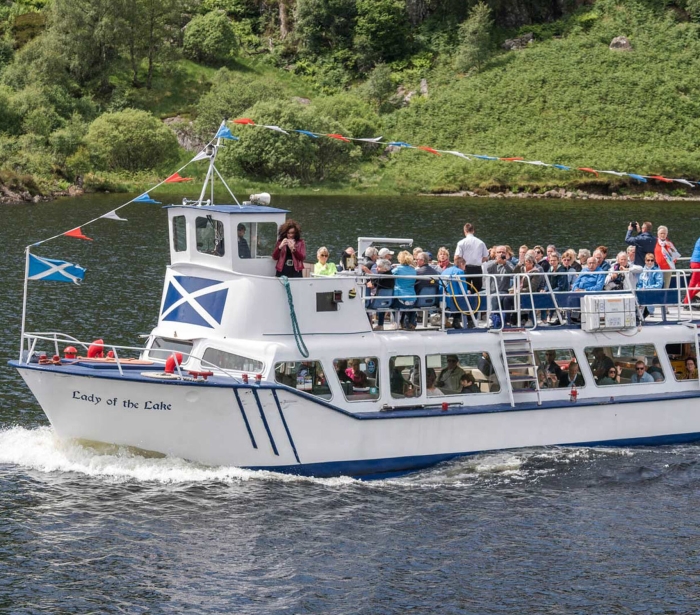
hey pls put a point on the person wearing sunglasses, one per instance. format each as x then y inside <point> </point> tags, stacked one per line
<point>323,267</point>
<point>611,377</point>
<point>640,373</point>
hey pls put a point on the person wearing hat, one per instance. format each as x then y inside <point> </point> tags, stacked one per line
<point>450,376</point>
<point>243,247</point>
<point>386,253</point>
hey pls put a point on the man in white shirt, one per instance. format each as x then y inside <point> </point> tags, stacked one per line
<point>474,253</point>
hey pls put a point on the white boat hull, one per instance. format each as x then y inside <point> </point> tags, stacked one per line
<point>274,428</point>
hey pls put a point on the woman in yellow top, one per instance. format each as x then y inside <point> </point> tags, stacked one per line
<point>323,267</point>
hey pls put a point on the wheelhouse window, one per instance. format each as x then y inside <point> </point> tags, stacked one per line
<point>558,368</point>
<point>179,234</point>
<point>683,360</point>
<point>405,376</point>
<point>210,236</point>
<point>307,376</point>
<point>229,360</point>
<point>461,373</point>
<point>359,377</point>
<point>630,364</point>
<point>162,348</point>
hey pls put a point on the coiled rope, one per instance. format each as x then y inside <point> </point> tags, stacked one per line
<point>301,346</point>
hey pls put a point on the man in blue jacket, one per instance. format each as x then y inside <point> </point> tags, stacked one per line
<point>645,242</point>
<point>589,280</point>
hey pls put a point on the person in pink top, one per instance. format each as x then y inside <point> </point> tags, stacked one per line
<point>665,254</point>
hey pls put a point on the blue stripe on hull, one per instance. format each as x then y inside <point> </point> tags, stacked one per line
<point>373,469</point>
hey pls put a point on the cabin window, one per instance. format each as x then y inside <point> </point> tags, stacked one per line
<point>179,234</point>
<point>162,347</point>
<point>359,377</point>
<point>256,239</point>
<point>229,360</point>
<point>630,364</point>
<point>210,236</point>
<point>461,373</point>
<point>683,360</point>
<point>307,376</point>
<point>558,368</point>
<point>405,376</point>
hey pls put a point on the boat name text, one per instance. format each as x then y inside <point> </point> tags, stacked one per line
<point>124,403</point>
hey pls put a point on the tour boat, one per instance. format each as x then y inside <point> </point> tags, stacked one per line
<point>289,375</point>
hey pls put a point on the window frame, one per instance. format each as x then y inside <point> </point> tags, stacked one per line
<point>256,370</point>
<point>460,356</point>
<point>318,362</point>
<point>219,249</point>
<point>626,358</point>
<point>181,235</point>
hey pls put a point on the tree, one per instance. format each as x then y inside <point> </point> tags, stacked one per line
<point>379,86</point>
<point>323,25</point>
<point>382,32</point>
<point>210,38</point>
<point>475,39</point>
<point>130,140</point>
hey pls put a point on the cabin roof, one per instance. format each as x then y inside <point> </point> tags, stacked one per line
<point>231,209</point>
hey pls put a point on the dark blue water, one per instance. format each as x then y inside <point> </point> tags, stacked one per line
<point>85,530</point>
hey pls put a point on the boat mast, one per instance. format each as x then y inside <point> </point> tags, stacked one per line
<point>210,171</point>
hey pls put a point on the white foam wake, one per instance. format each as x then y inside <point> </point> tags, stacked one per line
<point>41,450</point>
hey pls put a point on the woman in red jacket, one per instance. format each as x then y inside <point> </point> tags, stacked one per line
<point>290,251</point>
<point>665,254</point>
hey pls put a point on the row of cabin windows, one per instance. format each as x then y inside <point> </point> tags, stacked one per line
<point>466,373</point>
<point>254,239</point>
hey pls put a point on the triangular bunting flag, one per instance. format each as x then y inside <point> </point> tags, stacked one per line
<point>307,133</point>
<point>660,178</point>
<point>201,156</point>
<point>77,233</point>
<point>516,159</point>
<point>334,135</point>
<point>370,140</point>
<point>458,154</point>
<point>112,215</point>
<point>145,198</point>
<point>429,149</point>
<point>639,178</point>
<point>176,178</point>
<point>225,133</point>
<point>561,167</point>
<point>684,181</point>
<point>537,163</point>
<point>588,170</point>
<point>400,144</point>
<point>276,129</point>
<point>244,120</point>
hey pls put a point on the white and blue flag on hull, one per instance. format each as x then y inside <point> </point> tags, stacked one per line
<point>52,270</point>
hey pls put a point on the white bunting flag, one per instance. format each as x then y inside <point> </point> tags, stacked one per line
<point>277,129</point>
<point>112,215</point>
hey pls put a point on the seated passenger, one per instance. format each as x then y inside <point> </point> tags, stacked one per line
<point>443,259</point>
<point>691,369</point>
<point>367,261</point>
<point>450,377</point>
<point>357,376</point>
<point>323,267</point>
<point>651,277</point>
<point>341,369</point>
<point>468,384</point>
<point>404,288</point>
<point>589,280</point>
<point>640,373</point>
<point>243,247</point>
<point>623,275</point>
<point>611,377</point>
<point>528,281</point>
<point>423,268</point>
<point>430,389</point>
<point>383,280</point>
<point>570,264</point>
<point>542,381</point>
<point>601,254</point>
<point>397,383</point>
<point>601,363</point>
<point>582,257</point>
<point>571,377</point>
<point>655,370</point>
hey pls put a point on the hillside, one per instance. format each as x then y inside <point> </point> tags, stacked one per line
<point>92,92</point>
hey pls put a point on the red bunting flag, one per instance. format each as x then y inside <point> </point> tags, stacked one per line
<point>588,170</point>
<point>429,149</point>
<point>244,120</point>
<point>339,137</point>
<point>660,178</point>
<point>176,178</point>
<point>511,159</point>
<point>77,233</point>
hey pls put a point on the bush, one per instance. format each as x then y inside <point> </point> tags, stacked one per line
<point>131,140</point>
<point>210,38</point>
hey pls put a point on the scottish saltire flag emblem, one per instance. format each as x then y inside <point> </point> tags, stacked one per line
<point>52,270</point>
<point>196,301</point>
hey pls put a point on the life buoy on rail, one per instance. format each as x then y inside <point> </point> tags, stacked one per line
<point>173,360</point>
<point>96,349</point>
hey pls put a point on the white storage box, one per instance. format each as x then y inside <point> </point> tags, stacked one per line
<point>608,312</point>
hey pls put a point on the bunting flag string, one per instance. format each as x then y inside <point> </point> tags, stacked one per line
<point>403,145</point>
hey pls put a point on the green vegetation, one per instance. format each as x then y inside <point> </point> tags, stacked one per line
<point>86,84</point>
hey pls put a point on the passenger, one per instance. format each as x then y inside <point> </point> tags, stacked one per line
<point>522,251</point>
<point>430,389</point>
<point>474,253</point>
<point>651,278</point>
<point>589,280</point>
<point>601,363</point>
<point>583,256</point>
<point>341,370</point>
<point>644,241</point>
<point>691,369</point>
<point>397,383</point>
<point>694,283</point>
<point>243,247</point>
<point>551,249</point>
<point>622,276</point>
<point>655,370</point>
<point>468,384</point>
<point>541,258</point>
<point>423,268</point>
<point>443,259</point>
<point>368,260</point>
<point>570,265</point>
<point>290,251</point>
<point>550,366</point>
<point>323,267</point>
<point>571,376</point>
<point>348,260</point>
<point>486,368</point>
<point>602,257</point>
<point>450,377</point>
<point>404,288</point>
<point>558,278</point>
<point>383,281</point>
<point>358,377</point>
<point>502,268</point>
<point>611,377</point>
<point>665,254</point>
<point>455,287</point>
<point>640,373</point>
<point>529,281</point>
<point>415,252</point>
<point>511,256</point>
<point>386,253</point>
<point>542,381</point>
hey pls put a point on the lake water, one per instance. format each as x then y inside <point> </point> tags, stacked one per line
<point>86,530</point>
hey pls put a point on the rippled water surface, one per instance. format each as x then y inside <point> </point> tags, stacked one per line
<point>104,530</point>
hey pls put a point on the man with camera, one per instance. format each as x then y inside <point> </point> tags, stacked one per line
<point>645,242</point>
